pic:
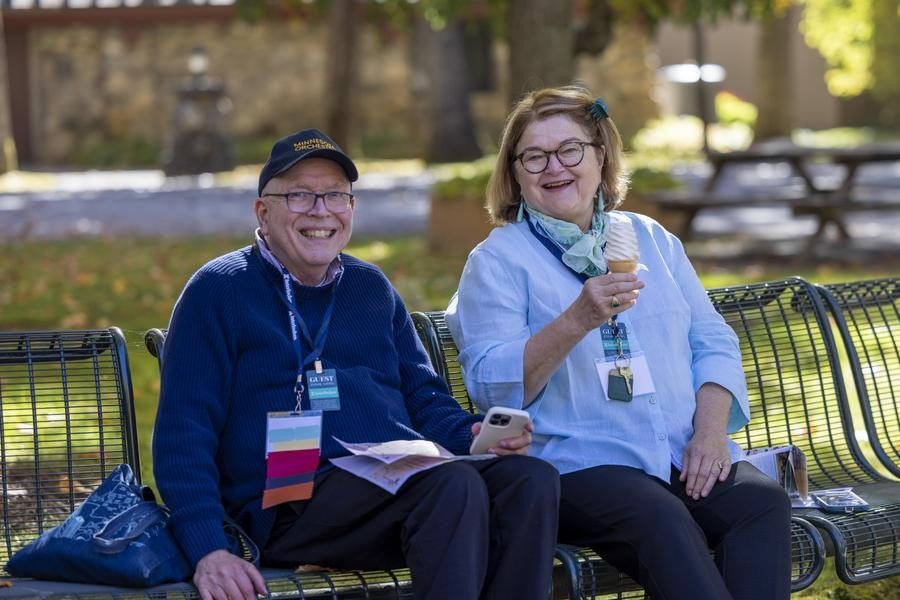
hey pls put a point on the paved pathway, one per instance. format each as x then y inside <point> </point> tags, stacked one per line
<point>147,203</point>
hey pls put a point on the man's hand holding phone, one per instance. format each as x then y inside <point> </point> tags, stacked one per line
<point>504,431</point>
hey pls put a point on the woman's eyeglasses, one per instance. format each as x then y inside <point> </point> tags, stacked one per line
<point>569,154</point>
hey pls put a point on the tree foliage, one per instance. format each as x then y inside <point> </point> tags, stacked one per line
<point>842,33</point>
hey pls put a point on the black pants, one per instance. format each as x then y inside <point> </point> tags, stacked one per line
<point>467,530</point>
<point>662,538</point>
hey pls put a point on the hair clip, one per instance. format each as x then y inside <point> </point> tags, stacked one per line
<point>599,110</point>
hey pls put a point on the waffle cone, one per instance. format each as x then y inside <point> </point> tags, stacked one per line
<point>622,266</point>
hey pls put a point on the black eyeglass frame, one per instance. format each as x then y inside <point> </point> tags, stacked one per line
<point>293,197</point>
<point>547,153</point>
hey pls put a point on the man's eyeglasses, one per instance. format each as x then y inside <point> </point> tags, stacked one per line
<point>569,154</point>
<point>301,202</point>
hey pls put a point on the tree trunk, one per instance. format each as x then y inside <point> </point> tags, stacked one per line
<point>448,127</point>
<point>7,145</point>
<point>775,77</point>
<point>341,74</point>
<point>541,44</point>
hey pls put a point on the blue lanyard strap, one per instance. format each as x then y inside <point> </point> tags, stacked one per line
<point>297,322</point>
<point>553,248</point>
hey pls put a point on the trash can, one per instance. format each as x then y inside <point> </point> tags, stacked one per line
<point>676,90</point>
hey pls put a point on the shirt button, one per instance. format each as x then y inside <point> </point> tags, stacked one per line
<point>652,399</point>
<point>661,436</point>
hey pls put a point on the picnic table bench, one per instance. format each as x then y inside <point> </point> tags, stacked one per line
<point>828,204</point>
<point>67,419</point>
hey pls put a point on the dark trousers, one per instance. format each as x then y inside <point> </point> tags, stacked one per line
<point>662,538</point>
<point>467,530</point>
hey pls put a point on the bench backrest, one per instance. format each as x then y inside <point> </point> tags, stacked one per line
<point>795,384</point>
<point>868,318</point>
<point>66,421</point>
<point>794,378</point>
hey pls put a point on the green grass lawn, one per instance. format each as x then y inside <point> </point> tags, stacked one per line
<point>133,283</point>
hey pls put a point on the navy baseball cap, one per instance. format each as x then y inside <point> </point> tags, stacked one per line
<point>308,143</point>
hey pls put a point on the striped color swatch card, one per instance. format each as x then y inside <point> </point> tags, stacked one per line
<point>292,456</point>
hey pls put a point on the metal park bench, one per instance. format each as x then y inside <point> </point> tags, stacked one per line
<point>395,584</point>
<point>596,576</point>
<point>868,318</point>
<point>797,396</point>
<point>66,421</point>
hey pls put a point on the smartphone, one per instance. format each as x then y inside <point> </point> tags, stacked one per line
<point>839,500</point>
<point>499,423</point>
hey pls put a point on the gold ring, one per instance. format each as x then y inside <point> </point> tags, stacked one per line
<point>615,302</point>
<point>719,464</point>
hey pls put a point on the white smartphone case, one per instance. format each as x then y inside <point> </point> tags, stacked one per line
<point>499,423</point>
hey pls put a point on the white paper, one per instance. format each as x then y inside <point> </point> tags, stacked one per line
<point>394,450</point>
<point>384,465</point>
<point>766,460</point>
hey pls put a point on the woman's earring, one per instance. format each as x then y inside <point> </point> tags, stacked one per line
<point>521,213</point>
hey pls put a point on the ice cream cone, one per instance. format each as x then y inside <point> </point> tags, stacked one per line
<point>622,266</point>
<point>621,251</point>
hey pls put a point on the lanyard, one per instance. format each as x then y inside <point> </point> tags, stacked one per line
<point>297,322</point>
<point>553,248</point>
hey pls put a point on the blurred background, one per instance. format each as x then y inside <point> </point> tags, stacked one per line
<point>132,133</point>
<point>99,83</point>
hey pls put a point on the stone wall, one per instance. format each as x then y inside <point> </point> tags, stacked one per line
<point>96,86</point>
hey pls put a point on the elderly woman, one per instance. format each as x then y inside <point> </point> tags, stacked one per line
<point>632,379</point>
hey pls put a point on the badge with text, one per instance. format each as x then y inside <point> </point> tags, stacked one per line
<point>323,390</point>
<point>293,444</point>
<point>613,344</point>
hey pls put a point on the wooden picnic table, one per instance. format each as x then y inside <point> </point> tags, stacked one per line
<point>827,204</point>
<point>799,157</point>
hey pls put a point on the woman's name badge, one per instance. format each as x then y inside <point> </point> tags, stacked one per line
<point>293,444</point>
<point>613,345</point>
<point>323,389</point>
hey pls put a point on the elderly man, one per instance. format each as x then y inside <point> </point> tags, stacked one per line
<point>252,338</point>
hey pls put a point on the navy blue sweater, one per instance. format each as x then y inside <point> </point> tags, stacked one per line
<point>230,359</point>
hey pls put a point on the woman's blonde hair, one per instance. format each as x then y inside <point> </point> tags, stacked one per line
<point>576,102</point>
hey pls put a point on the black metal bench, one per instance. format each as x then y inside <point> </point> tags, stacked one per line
<point>868,317</point>
<point>66,421</point>
<point>798,396</point>
<point>595,575</point>
<point>368,584</point>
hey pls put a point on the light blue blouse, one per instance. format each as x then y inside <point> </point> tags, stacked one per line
<point>512,287</point>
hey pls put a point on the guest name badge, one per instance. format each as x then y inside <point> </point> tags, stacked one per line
<point>323,390</point>
<point>641,381</point>
<point>293,445</point>
<point>611,344</point>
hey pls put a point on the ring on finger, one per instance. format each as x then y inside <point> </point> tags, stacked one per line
<point>720,465</point>
<point>615,302</point>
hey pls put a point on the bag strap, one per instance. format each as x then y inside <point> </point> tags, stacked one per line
<point>128,525</point>
<point>239,543</point>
